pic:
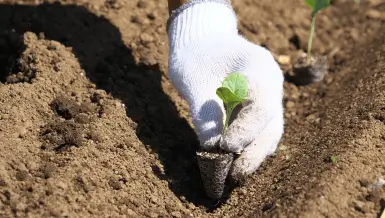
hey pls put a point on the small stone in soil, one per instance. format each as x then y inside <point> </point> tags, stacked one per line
<point>283,59</point>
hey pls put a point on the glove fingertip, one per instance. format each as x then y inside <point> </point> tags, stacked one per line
<point>236,176</point>
<point>211,143</point>
<point>228,144</point>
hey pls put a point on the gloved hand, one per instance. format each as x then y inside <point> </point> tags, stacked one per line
<point>204,48</point>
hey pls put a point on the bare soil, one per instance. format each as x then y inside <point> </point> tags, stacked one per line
<point>90,125</point>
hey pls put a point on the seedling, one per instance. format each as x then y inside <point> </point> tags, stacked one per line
<point>316,6</point>
<point>334,159</point>
<point>308,69</point>
<point>215,165</point>
<point>233,92</point>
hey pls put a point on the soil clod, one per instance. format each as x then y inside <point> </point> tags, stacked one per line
<point>47,170</point>
<point>68,108</point>
<point>62,135</point>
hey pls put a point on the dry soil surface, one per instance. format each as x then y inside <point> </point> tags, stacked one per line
<point>90,125</point>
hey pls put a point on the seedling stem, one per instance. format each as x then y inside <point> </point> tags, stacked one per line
<point>310,38</point>
<point>229,110</point>
<point>316,6</point>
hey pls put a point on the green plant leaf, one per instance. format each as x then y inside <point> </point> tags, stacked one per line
<point>227,95</point>
<point>237,84</point>
<point>232,93</point>
<point>334,159</point>
<point>317,5</point>
<point>311,3</point>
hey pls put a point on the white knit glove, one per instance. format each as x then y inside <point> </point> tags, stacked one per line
<point>204,48</point>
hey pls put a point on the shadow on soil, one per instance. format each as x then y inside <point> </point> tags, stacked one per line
<point>110,65</point>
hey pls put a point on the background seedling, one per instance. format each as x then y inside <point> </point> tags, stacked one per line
<point>309,69</point>
<point>233,92</point>
<point>316,6</point>
<point>334,159</point>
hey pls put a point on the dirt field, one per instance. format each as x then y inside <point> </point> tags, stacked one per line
<point>90,125</point>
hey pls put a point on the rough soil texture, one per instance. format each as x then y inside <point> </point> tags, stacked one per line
<point>90,125</point>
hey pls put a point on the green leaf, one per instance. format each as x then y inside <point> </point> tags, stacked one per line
<point>232,93</point>
<point>334,159</point>
<point>237,84</point>
<point>317,5</point>
<point>311,3</point>
<point>227,95</point>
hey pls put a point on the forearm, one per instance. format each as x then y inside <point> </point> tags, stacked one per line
<point>174,4</point>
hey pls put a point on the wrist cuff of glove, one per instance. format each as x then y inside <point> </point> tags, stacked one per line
<point>200,18</point>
